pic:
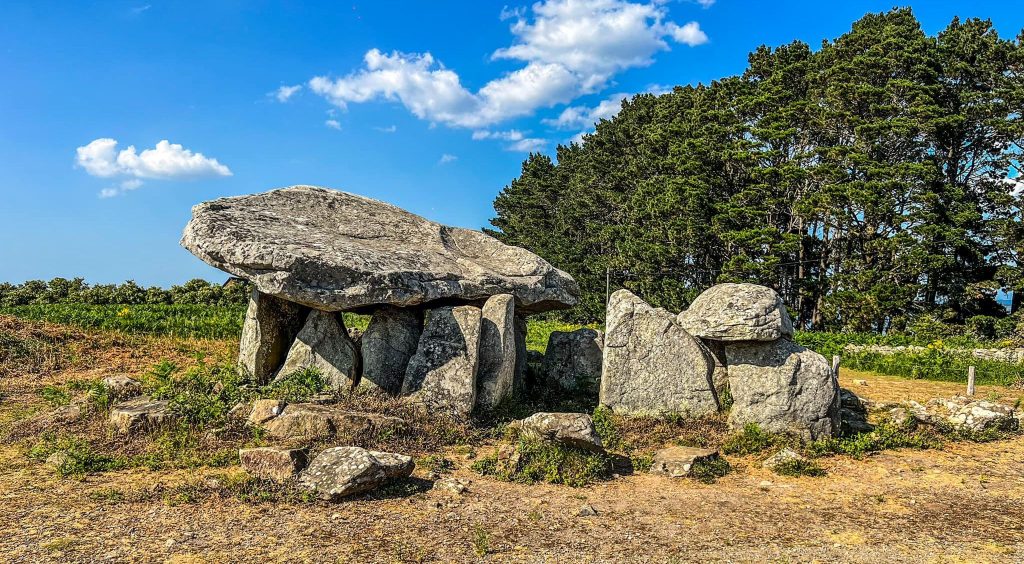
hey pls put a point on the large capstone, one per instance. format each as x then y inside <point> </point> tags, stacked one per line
<point>323,344</point>
<point>738,312</point>
<point>335,251</point>
<point>783,388</point>
<point>442,374</point>
<point>497,371</point>
<point>269,329</point>
<point>573,360</point>
<point>387,345</point>
<point>652,366</point>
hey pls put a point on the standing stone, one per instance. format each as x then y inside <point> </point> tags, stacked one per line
<point>323,344</point>
<point>387,345</point>
<point>497,371</point>
<point>720,374</point>
<point>442,373</point>
<point>738,312</point>
<point>521,355</point>
<point>270,327</point>
<point>573,360</point>
<point>783,388</point>
<point>652,366</point>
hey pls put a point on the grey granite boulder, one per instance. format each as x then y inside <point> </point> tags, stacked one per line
<point>122,387</point>
<point>342,471</point>
<point>336,251</point>
<point>652,366</point>
<point>269,329</point>
<point>442,374</point>
<point>395,465</point>
<point>324,344</point>
<point>738,312</point>
<point>140,414</point>
<point>572,429</point>
<point>783,388</point>
<point>273,463</point>
<point>387,345</point>
<point>497,371</point>
<point>309,421</point>
<point>573,360</point>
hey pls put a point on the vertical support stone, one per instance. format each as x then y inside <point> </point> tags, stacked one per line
<point>271,325</point>
<point>442,374</point>
<point>519,386</point>
<point>720,374</point>
<point>387,345</point>
<point>497,371</point>
<point>324,344</point>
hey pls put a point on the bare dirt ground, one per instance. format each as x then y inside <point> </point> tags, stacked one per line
<point>964,503</point>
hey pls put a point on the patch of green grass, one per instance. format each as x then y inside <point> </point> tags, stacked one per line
<point>79,457</point>
<point>436,463</point>
<point>55,395</point>
<point>798,467</point>
<point>543,461</point>
<point>752,440</point>
<point>297,386</point>
<point>885,436</point>
<point>709,470</point>
<point>604,424</point>
<point>641,462</point>
<point>178,320</point>
<point>481,541</point>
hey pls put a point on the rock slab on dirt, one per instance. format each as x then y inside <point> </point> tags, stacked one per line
<point>678,461</point>
<point>273,463</point>
<point>343,471</point>
<point>140,414</point>
<point>572,429</point>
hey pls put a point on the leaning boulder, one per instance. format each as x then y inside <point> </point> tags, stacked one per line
<point>783,388</point>
<point>738,312</point>
<point>395,465</point>
<point>442,374</point>
<point>323,344</point>
<point>269,329</point>
<point>497,371</point>
<point>571,429</point>
<point>337,251</point>
<point>387,345</point>
<point>342,471</point>
<point>573,360</point>
<point>273,463</point>
<point>140,414</point>
<point>678,461</point>
<point>652,366</point>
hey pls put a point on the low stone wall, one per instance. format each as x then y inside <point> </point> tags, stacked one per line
<point>1012,356</point>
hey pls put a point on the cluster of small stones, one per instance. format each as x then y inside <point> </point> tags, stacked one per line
<point>735,337</point>
<point>1012,356</point>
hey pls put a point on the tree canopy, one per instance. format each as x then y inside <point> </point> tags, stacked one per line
<point>868,181</point>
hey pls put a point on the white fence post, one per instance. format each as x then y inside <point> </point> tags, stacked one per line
<point>970,381</point>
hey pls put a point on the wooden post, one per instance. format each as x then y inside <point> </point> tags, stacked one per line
<point>970,381</point>
<point>835,367</point>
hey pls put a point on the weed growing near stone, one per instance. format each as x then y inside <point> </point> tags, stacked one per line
<point>708,471</point>
<point>885,436</point>
<point>481,541</point>
<point>798,467</point>
<point>74,456</point>
<point>752,440</point>
<point>542,461</point>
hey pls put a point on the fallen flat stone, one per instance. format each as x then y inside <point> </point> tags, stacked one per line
<point>782,457</point>
<point>308,421</point>
<point>572,429</point>
<point>342,471</point>
<point>962,412</point>
<point>442,374</point>
<point>264,410</point>
<point>271,325</point>
<point>273,463</point>
<point>334,251</point>
<point>387,345</point>
<point>652,366</point>
<point>738,312</point>
<point>122,387</point>
<point>678,461</point>
<point>783,388</point>
<point>140,414</point>
<point>395,465</point>
<point>573,360</point>
<point>497,371</point>
<point>323,344</point>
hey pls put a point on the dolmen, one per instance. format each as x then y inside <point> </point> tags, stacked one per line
<point>448,305</point>
<point>734,341</point>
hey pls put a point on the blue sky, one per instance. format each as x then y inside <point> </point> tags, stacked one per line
<point>251,96</point>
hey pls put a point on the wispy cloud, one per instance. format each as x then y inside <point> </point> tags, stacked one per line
<point>284,93</point>
<point>333,124</point>
<point>388,129</point>
<point>447,158</point>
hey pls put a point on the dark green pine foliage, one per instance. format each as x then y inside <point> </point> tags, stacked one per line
<point>867,181</point>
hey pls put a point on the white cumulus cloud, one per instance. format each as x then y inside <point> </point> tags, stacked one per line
<point>165,161</point>
<point>527,145</point>
<point>568,48</point>
<point>333,124</point>
<point>284,93</point>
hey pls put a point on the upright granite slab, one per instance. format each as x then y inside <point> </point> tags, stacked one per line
<point>387,345</point>
<point>336,251</point>
<point>497,371</point>
<point>270,326</point>
<point>442,374</point>
<point>573,360</point>
<point>652,366</point>
<point>323,344</point>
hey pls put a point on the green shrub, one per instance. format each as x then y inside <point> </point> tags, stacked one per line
<point>709,470</point>
<point>885,436</point>
<point>752,440</point>
<point>604,424</point>
<point>55,395</point>
<point>798,467</point>
<point>544,461</point>
<point>79,456</point>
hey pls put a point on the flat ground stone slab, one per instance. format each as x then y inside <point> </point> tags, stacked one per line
<point>307,422</point>
<point>738,312</point>
<point>572,429</point>
<point>273,463</point>
<point>334,251</point>
<point>343,471</point>
<point>140,414</point>
<point>678,461</point>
